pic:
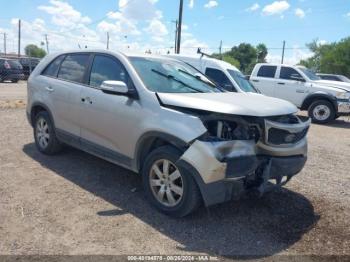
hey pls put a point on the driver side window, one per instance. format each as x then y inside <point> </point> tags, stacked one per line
<point>106,68</point>
<point>220,79</point>
<point>289,73</point>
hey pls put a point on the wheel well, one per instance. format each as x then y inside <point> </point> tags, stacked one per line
<point>35,110</point>
<point>151,144</point>
<point>308,101</point>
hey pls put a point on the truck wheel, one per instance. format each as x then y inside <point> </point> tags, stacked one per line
<point>321,112</point>
<point>44,135</point>
<point>169,188</point>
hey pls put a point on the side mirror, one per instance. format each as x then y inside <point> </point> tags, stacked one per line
<point>117,88</point>
<point>297,78</point>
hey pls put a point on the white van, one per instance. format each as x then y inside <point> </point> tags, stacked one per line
<point>222,73</point>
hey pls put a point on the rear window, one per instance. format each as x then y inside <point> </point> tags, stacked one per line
<point>73,67</point>
<point>14,64</point>
<point>52,68</point>
<point>267,71</point>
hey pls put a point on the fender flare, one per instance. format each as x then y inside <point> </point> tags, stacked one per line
<point>145,143</point>
<point>43,106</point>
<point>319,96</point>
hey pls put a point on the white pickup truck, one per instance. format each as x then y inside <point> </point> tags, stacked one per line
<point>324,100</point>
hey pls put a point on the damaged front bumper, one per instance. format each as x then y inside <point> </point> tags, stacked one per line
<point>224,170</point>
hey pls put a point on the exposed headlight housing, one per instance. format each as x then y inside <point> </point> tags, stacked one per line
<point>343,96</point>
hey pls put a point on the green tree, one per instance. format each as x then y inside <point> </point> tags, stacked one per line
<point>262,52</point>
<point>245,54</point>
<point>34,51</point>
<point>333,58</point>
<point>231,60</point>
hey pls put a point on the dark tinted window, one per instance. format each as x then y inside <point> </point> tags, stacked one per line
<point>73,67</point>
<point>288,73</point>
<point>332,78</point>
<point>106,68</point>
<point>267,71</point>
<point>52,69</point>
<point>219,78</point>
<point>14,64</point>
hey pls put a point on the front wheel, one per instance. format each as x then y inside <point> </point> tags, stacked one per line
<point>170,188</point>
<point>321,112</point>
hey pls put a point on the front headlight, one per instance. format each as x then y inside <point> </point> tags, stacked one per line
<point>343,96</point>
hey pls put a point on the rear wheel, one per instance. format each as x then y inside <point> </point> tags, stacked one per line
<point>44,134</point>
<point>170,188</point>
<point>321,112</point>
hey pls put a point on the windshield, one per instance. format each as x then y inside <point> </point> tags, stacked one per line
<point>310,74</point>
<point>171,76</point>
<point>243,83</point>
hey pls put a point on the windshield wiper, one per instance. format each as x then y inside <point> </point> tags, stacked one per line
<point>176,80</point>
<point>197,77</point>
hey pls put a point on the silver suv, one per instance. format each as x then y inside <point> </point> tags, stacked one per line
<point>192,142</point>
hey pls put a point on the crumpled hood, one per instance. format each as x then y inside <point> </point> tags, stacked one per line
<point>247,104</point>
<point>334,84</point>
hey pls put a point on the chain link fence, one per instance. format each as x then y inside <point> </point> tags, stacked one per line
<point>14,68</point>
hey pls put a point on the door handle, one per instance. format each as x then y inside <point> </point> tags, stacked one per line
<point>280,83</point>
<point>255,80</point>
<point>49,88</point>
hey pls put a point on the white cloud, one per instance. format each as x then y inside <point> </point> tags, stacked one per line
<point>64,15</point>
<point>292,57</point>
<point>157,30</point>
<point>299,13</point>
<point>253,8</point>
<point>348,14</point>
<point>191,4</point>
<point>211,4</point>
<point>276,8</point>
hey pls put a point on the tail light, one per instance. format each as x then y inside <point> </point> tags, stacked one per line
<point>7,65</point>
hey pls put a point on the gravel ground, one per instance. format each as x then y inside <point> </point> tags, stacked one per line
<point>74,203</point>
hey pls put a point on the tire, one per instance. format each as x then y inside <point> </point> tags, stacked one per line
<point>44,134</point>
<point>184,204</point>
<point>14,81</point>
<point>321,112</point>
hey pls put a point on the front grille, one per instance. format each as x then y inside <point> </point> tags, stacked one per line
<point>280,137</point>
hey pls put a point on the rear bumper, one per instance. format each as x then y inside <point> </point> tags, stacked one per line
<point>258,177</point>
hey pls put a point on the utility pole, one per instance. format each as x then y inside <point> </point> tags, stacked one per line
<point>284,46</point>
<point>4,43</point>
<point>176,34</point>
<point>220,50</point>
<point>107,40</point>
<point>19,37</point>
<point>47,43</point>
<point>179,27</point>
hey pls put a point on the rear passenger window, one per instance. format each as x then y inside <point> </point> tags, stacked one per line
<point>73,67</point>
<point>52,69</point>
<point>288,73</point>
<point>220,78</point>
<point>267,71</point>
<point>106,68</point>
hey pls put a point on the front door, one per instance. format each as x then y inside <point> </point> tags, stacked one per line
<point>107,120</point>
<point>290,86</point>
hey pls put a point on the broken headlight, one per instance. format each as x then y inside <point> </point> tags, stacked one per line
<point>229,130</point>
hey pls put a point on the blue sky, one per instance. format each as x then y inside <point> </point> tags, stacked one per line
<point>147,24</point>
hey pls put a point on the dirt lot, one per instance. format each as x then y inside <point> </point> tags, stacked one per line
<point>75,203</point>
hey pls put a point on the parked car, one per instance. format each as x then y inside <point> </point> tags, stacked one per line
<point>10,70</point>
<point>332,77</point>
<point>324,100</point>
<point>156,116</point>
<point>28,65</point>
<point>222,73</point>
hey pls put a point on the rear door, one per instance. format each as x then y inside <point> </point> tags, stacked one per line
<point>64,92</point>
<point>288,88</point>
<point>265,79</point>
<point>108,119</point>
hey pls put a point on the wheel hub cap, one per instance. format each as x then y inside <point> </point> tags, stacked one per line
<point>321,112</point>
<point>166,183</point>
<point>42,133</point>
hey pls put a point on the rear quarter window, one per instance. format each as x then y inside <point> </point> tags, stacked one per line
<point>52,69</point>
<point>267,71</point>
